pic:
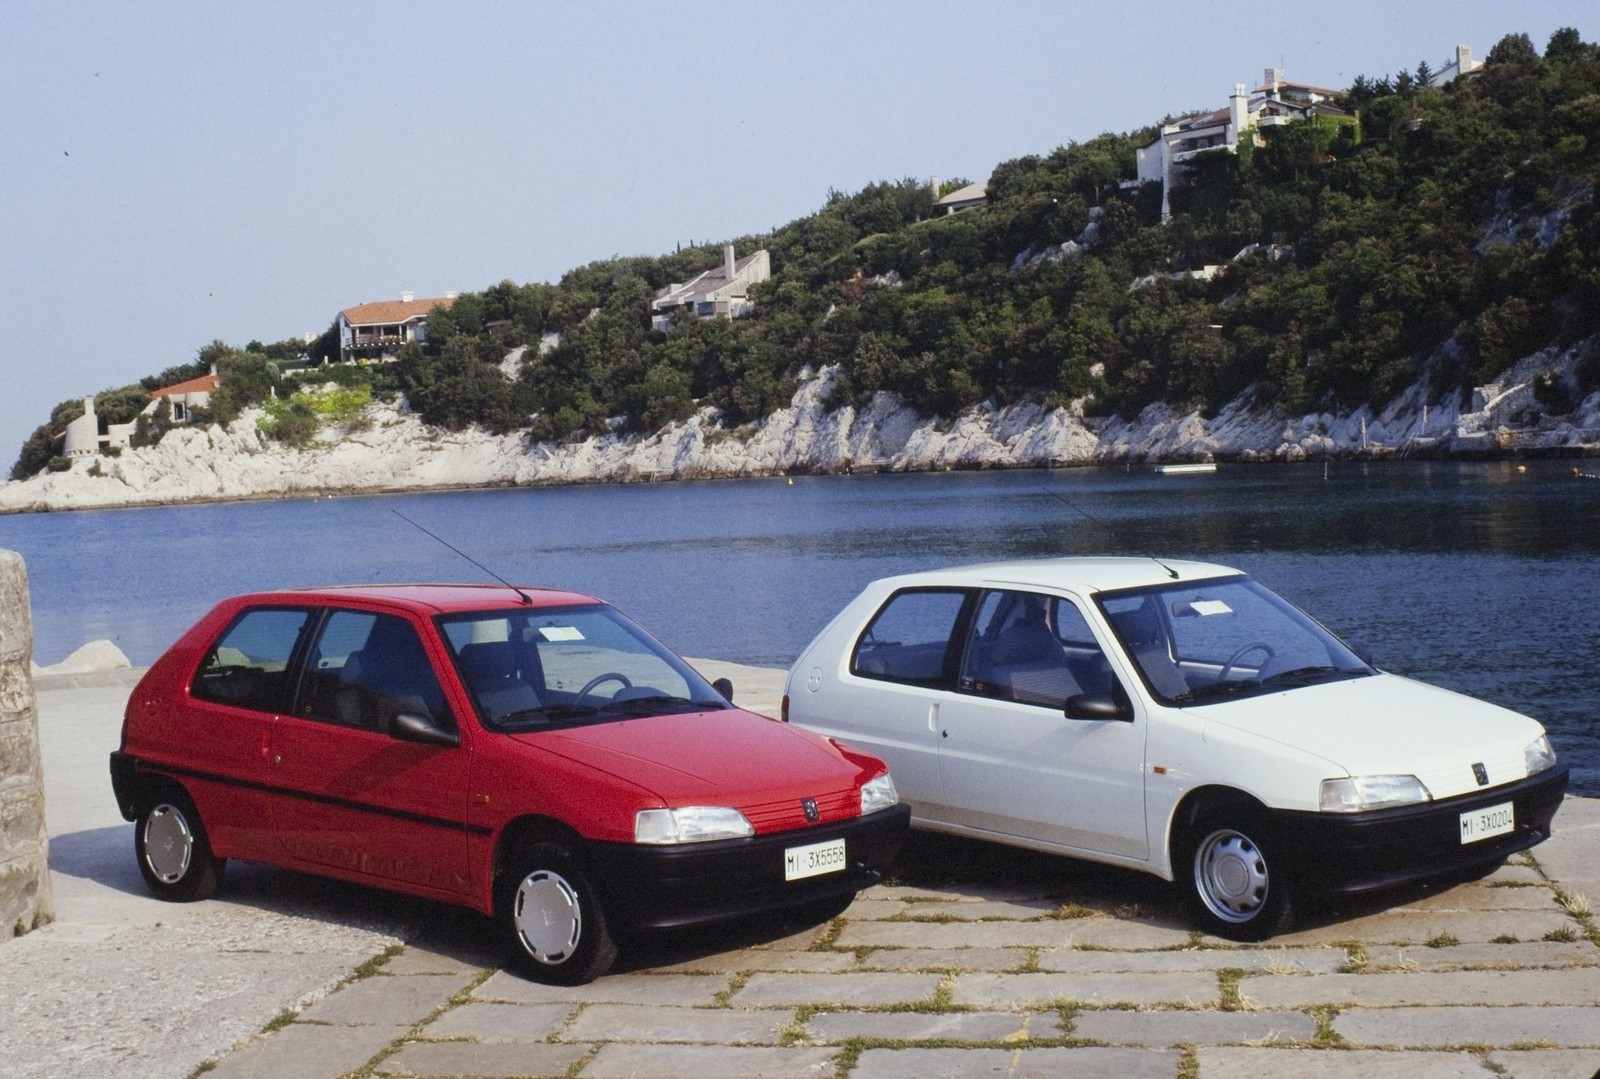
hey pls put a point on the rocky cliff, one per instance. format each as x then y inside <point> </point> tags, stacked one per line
<point>389,449</point>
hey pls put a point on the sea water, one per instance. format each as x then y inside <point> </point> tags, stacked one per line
<point>1479,576</point>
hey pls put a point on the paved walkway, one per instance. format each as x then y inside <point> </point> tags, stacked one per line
<point>981,962</point>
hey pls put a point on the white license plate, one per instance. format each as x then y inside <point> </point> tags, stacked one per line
<point>814,860</point>
<point>1489,821</point>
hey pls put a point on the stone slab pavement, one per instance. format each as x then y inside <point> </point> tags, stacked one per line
<point>979,961</point>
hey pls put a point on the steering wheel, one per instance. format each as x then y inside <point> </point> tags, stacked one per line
<point>1253,646</point>
<point>609,676</point>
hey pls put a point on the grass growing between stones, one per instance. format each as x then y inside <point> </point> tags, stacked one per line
<point>373,965</point>
<point>1229,996</point>
<point>1326,1037</point>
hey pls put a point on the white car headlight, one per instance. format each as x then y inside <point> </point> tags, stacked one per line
<point>1358,793</point>
<point>878,794</point>
<point>689,824</point>
<point>1539,755</point>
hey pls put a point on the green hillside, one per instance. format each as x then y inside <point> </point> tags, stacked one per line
<point>1449,232</point>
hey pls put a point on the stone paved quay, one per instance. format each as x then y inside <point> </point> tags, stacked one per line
<point>981,962</point>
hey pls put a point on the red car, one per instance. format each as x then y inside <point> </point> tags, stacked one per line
<point>531,754</point>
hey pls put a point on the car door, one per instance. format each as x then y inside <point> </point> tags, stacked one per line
<point>225,727</point>
<point>887,698</point>
<point>353,798</point>
<point>1011,762</point>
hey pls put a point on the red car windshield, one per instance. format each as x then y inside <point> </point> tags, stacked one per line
<point>529,669</point>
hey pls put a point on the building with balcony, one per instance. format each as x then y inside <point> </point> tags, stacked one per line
<point>1274,103</point>
<point>376,331</point>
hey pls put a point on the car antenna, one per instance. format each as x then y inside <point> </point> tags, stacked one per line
<point>1065,501</point>
<point>527,600</point>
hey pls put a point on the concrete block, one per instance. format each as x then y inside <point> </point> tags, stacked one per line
<point>1164,1029</point>
<point>1480,987</point>
<point>1500,1027</point>
<point>765,959</point>
<point>766,990</point>
<point>502,1022</point>
<point>1547,1063</point>
<point>1537,954</point>
<point>993,959</point>
<point>654,1023</point>
<point>307,1049</point>
<point>1283,960</point>
<point>619,1060</point>
<point>1191,990</point>
<point>1272,1063</point>
<point>457,1060</point>
<point>835,1027</point>
<point>681,989</point>
<point>386,999</point>
<point>1086,1063</point>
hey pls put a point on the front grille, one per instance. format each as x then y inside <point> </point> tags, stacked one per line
<point>790,812</point>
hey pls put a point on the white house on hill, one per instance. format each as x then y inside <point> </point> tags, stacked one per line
<point>375,331</point>
<point>83,437</point>
<point>719,292</point>
<point>1274,102</point>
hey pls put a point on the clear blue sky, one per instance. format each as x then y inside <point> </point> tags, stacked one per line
<point>176,173</point>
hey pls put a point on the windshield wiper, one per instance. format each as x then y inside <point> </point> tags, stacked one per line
<point>654,705</point>
<point>1230,688</point>
<point>554,713</point>
<point>1305,676</point>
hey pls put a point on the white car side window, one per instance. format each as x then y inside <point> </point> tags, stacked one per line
<point>908,640</point>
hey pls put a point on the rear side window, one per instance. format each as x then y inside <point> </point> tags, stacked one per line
<point>248,665</point>
<point>909,639</point>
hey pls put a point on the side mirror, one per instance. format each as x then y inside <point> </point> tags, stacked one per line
<point>1096,706</point>
<point>415,727</point>
<point>724,686</point>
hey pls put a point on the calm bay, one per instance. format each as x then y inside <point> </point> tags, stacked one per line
<point>1478,576</point>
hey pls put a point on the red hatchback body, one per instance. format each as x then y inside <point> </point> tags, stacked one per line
<point>529,753</point>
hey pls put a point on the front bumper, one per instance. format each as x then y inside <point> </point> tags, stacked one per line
<point>649,887</point>
<point>1344,853</point>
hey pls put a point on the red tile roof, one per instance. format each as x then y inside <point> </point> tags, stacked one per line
<point>203,384</point>
<point>385,312</point>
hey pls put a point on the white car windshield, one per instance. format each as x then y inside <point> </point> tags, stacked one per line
<point>1200,641</point>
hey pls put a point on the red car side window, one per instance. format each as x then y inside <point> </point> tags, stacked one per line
<point>248,666</point>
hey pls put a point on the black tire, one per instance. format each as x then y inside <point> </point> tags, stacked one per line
<point>1235,886</point>
<point>551,920</point>
<point>173,852</point>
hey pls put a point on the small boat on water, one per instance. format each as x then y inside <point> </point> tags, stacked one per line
<point>1188,468</point>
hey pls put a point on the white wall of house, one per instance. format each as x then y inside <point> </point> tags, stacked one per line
<point>83,433</point>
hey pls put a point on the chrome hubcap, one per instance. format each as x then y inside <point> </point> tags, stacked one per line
<point>1230,874</point>
<point>547,916</point>
<point>168,844</point>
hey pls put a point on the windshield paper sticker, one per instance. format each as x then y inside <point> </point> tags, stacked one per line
<point>561,633</point>
<point>1210,606</point>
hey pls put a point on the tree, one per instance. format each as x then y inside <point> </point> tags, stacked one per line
<point>1513,49</point>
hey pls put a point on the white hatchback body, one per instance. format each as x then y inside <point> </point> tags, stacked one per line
<point>1172,717</point>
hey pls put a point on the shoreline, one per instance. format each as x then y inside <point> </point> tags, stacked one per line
<point>388,449</point>
<point>1244,459</point>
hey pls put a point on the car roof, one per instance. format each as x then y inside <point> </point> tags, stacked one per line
<point>1082,575</point>
<point>429,599</point>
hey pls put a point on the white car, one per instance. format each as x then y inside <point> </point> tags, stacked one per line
<point>1177,718</point>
